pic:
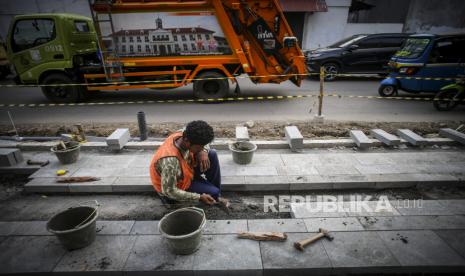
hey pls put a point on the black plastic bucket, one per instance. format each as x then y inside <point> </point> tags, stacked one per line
<point>75,226</point>
<point>70,154</point>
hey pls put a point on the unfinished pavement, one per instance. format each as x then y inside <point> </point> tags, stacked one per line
<point>371,243</point>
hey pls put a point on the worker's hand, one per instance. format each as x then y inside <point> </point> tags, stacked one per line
<point>207,199</point>
<point>203,161</point>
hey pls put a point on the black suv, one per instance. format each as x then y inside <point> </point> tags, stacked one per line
<point>356,54</point>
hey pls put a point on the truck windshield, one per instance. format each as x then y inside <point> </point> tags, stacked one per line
<point>347,41</point>
<point>413,48</point>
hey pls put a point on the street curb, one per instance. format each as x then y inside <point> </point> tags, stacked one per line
<point>222,144</point>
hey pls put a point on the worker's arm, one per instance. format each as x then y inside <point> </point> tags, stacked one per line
<point>168,168</point>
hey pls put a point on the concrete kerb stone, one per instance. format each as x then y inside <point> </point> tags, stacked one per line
<point>360,139</point>
<point>411,137</point>
<point>386,138</point>
<point>453,134</point>
<point>118,139</point>
<point>7,157</point>
<point>294,138</point>
<point>242,133</point>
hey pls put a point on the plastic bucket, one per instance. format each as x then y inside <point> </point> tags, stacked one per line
<point>183,229</point>
<point>242,152</point>
<point>75,226</point>
<point>68,155</point>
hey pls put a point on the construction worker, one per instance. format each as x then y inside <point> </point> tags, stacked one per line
<point>185,169</point>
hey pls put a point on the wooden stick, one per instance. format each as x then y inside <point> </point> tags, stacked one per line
<point>263,236</point>
<point>63,145</point>
<point>77,179</point>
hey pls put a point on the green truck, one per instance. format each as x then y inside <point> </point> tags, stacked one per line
<point>53,48</point>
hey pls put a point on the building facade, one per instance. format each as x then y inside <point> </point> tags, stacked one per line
<point>169,41</point>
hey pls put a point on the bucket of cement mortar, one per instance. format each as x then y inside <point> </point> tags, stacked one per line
<point>68,155</point>
<point>183,229</point>
<point>75,226</point>
<point>242,152</point>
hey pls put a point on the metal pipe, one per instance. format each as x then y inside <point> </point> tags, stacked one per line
<point>142,125</point>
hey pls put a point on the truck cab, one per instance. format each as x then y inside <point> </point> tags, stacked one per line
<point>50,47</point>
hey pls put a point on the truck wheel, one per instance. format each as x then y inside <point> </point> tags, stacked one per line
<point>331,70</point>
<point>387,90</point>
<point>216,88</point>
<point>443,100</point>
<point>61,94</point>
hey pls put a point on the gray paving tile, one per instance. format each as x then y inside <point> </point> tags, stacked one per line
<point>422,207</point>
<point>7,227</point>
<point>29,254</point>
<point>152,253</point>
<point>296,170</point>
<point>134,172</point>
<point>106,253</point>
<point>46,172</point>
<point>281,258</point>
<point>277,225</point>
<point>309,182</point>
<point>104,185</point>
<point>106,227</point>
<point>109,161</point>
<point>337,158</point>
<point>145,228</point>
<point>132,184</point>
<point>373,159</point>
<point>46,184</point>
<point>140,161</point>
<point>226,254</point>
<point>307,160</point>
<point>271,160</point>
<point>454,206</point>
<point>412,222</point>
<point>97,172</point>
<point>316,210</point>
<point>333,224</point>
<point>225,226</point>
<point>266,183</point>
<point>336,169</point>
<point>358,249</point>
<point>420,248</point>
<point>454,238</point>
<point>31,228</point>
<point>370,208</point>
<point>232,180</point>
<point>247,170</point>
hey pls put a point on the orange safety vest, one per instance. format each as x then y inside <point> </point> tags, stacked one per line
<point>169,149</point>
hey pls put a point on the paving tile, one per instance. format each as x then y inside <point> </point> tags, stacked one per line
<point>370,208</point>
<point>51,173</point>
<point>309,182</point>
<point>337,159</point>
<point>247,170</point>
<point>106,227</point>
<point>333,224</point>
<point>281,258</point>
<point>421,207</point>
<point>225,226</point>
<point>454,238</point>
<point>145,228</point>
<point>133,172</point>
<point>306,160</point>
<point>454,206</point>
<point>336,169</point>
<point>296,170</point>
<point>420,248</point>
<point>277,225</point>
<point>258,160</point>
<point>226,254</point>
<point>46,184</point>
<point>316,210</point>
<point>152,253</point>
<point>348,181</point>
<point>7,227</point>
<point>104,185</point>
<point>232,180</point>
<point>358,249</point>
<point>140,161</point>
<point>108,161</point>
<point>412,222</point>
<point>106,253</point>
<point>266,183</point>
<point>132,184</point>
<point>374,159</point>
<point>31,228</point>
<point>97,172</point>
<point>29,254</point>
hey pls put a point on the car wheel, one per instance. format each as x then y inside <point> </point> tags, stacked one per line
<point>443,100</point>
<point>211,85</point>
<point>331,71</point>
<point>61,94</point>
<point>387,90</point>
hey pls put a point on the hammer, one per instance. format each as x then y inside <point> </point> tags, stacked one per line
<point>322,233</point>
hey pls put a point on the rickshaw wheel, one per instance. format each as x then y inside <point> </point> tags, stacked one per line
<point>443,100</point>
<point>387,90</point>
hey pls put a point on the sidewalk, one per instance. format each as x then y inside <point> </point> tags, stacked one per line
<point>270,170</point>
<point>428,239</point>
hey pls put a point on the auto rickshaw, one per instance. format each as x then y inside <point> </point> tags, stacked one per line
<point>425,64</point>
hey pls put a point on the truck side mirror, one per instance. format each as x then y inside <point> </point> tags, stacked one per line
<point>289,41</point>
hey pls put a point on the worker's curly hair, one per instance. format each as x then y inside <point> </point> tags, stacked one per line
<point>199,133</point>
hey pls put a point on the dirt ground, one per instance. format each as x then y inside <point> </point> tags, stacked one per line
<point>263,130</point>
